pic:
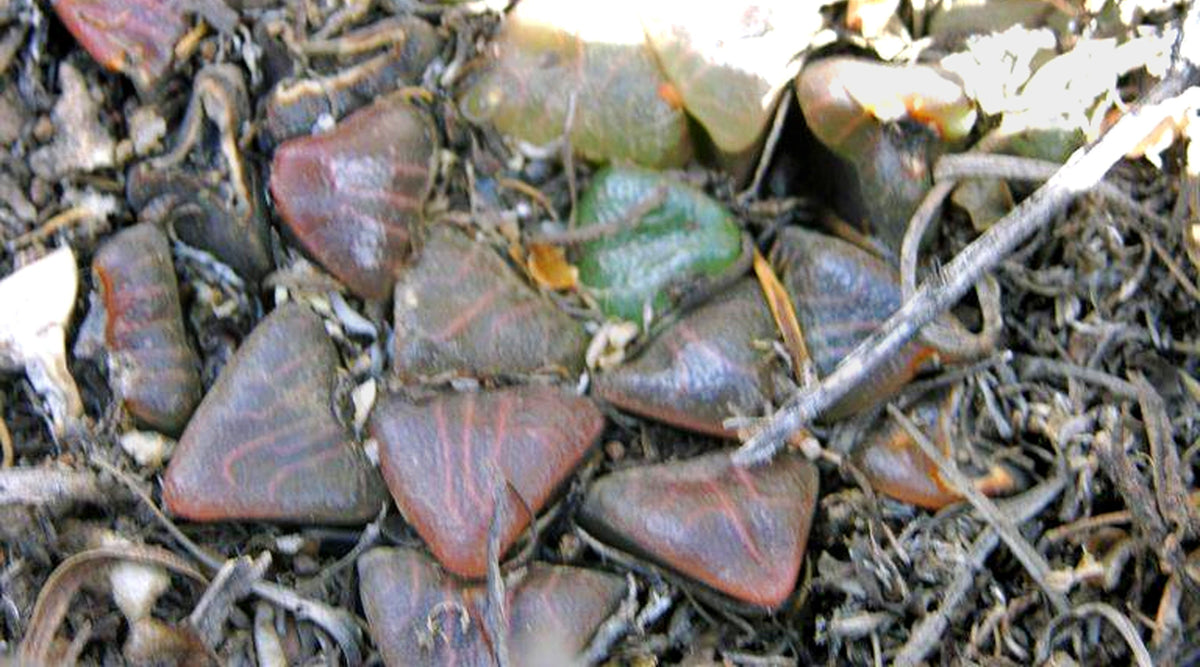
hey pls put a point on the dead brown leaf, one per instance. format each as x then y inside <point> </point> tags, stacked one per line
<point>548,266</point>
<point>784,314</point>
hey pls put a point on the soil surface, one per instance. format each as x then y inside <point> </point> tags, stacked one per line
<point>1082,548</point>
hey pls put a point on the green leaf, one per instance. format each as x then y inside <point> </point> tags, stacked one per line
<point>684,239</point>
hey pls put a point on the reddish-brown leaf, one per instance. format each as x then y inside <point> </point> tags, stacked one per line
<point>353,196</point>
<point>152,368</point>
<point>448,460</point>
<point>897,467</point>
<point>741,531</point>
<point>265,444</point>
<point>136,37</point>
<point>421,616</point>
<point>461,309</point>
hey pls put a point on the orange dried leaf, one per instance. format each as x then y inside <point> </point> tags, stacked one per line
<point>548,266</point>
<point>670,94</point>
<point>516,253</point>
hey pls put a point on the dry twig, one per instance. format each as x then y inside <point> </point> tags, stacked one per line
<point>232,583</point>
<point>50,487</point>
<point>1169,487</point>
<point>633,218</point>
<point>1034,368</point>
<point>949,337</point>
<point>496,609</point>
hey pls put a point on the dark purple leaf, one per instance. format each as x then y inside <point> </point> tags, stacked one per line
<point>842,294</point>
<point>421,616</point>
<point>694,373</point>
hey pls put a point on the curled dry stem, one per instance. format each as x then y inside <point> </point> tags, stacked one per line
<point>54,600</point>
<point>947,334</point>
<point>60,221</point>
<point>529,191</point>
<point>366,540</point>
<point>1122,623</point>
